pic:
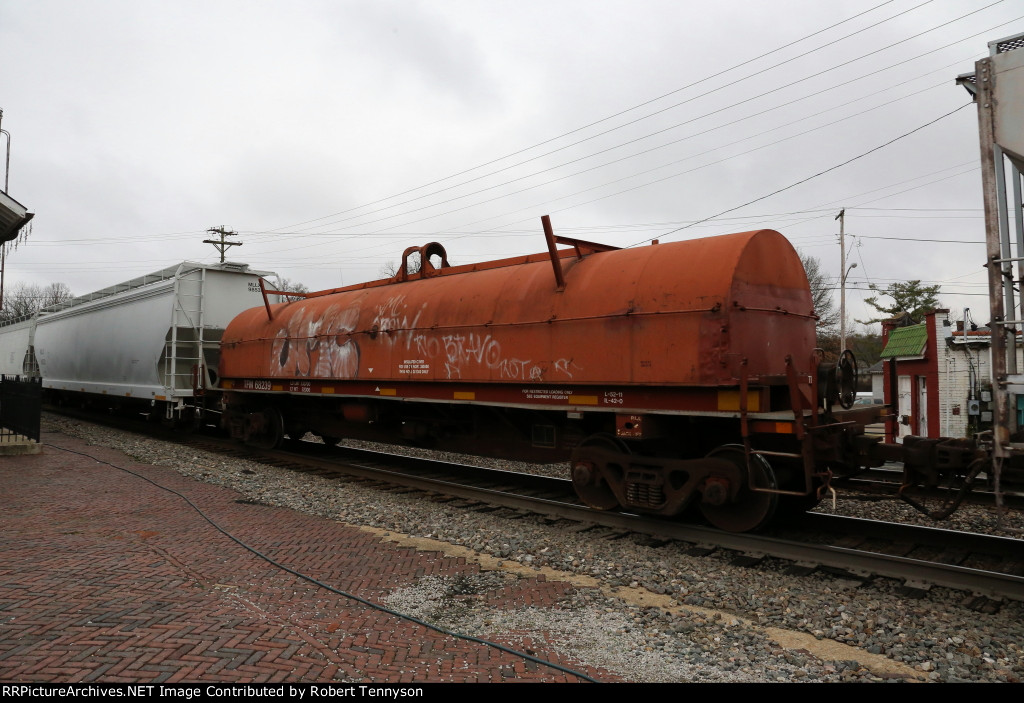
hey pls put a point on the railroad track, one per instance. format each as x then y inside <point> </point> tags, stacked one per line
<point>990,567</point>
<point>887,479</point>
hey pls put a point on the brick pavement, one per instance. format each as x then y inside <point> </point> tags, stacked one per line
<point>105,577</point>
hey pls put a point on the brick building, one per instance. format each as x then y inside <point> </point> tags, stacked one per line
<point>944,378</point>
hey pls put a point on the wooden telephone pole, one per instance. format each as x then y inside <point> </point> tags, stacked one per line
<point>222,244</point>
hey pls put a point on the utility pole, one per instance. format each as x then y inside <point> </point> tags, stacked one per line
<point>222,244</point>
<point>7,166</point>
<point>842,280</point>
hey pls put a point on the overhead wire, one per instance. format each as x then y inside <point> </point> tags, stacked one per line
<point>917,239</point>
<point>757,217</point>
<point>889,46</point>
<point>818,174</point>
<point>667,165</point>
<point>846,199</point>
<point>534,206</point>
<point>706,114</point>
<point>647,171</point>
<point>880,198</point>
<point>706,93</point>
<point>920,209</point>
<point>693,224</point>
<point>613,116</point>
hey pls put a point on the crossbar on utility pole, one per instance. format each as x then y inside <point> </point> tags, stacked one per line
<point>222,244</point>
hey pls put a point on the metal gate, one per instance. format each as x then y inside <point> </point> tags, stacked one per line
<point>20,407</point>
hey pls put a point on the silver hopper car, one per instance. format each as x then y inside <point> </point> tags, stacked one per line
<point>151,341</point>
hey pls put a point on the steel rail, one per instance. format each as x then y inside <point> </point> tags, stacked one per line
<point>912,571</point>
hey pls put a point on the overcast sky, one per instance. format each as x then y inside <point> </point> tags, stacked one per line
<point>332,135</point>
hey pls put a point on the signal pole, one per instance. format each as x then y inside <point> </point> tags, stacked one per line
<point>222,244</point>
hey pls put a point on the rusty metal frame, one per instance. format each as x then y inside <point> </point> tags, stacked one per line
<point>817,355</point>
<point>427,269</point>
<point>264,291</point>
<point>800,433</point>
<point>266,301</point>
<point>556,261</point>
<point>578,245</point>
<point>795,399</point>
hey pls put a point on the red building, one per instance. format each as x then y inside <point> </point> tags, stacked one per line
<point>943,376</point>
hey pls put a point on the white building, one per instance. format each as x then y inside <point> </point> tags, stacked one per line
<point>944,377</point>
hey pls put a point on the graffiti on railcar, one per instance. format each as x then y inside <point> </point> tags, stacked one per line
<point>323,344</point>
<point>392,318</point>
<point>317,344</point>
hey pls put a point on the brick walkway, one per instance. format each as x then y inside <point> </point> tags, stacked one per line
<point>105,577</point>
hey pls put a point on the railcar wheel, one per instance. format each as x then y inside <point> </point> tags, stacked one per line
<point>269,432</point>
<point>749,510</point>
<point>588,481</point>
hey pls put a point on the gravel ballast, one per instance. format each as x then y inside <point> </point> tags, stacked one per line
<point>646,613</point>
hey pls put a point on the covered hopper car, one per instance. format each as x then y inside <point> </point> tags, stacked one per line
<point>152,342</point>
<point>670,376</point>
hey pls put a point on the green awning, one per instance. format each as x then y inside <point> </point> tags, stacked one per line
<point>906,341</point>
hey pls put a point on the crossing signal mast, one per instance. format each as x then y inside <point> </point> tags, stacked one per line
<point>223,243</point>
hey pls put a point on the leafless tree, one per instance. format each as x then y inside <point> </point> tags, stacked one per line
<point>390,269</point>
<point>821,294</point>
<point>25,299</point>
<point>290,286</point>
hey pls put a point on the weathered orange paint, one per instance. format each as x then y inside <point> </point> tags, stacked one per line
<point>677,314</point>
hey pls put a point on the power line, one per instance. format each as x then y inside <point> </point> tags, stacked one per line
<point>696,223</point>
<point>618,114</point>
<point>651,170</point>
<point>916,239</point>
<point>578,205</point>
<point>732,106</point>
<point>534,206</point>
<point>974,167</point>
<point>813,95</point>
<point>448,212</point>
<point>920,209</point>
<point>820,173</point>
<point>944,292</point>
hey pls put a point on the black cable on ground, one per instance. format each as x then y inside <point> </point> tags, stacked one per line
<point>332,589</point>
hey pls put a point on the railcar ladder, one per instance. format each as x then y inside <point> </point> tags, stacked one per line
<point>182,355</point>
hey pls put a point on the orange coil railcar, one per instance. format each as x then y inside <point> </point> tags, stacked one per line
<point>679,314</point>
<point>682,353</point>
